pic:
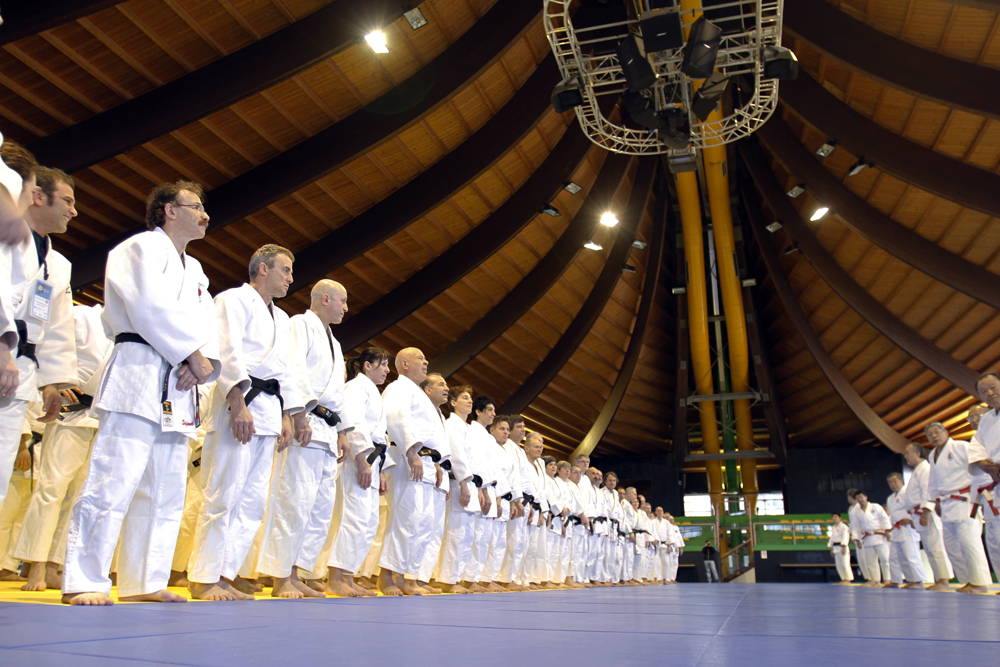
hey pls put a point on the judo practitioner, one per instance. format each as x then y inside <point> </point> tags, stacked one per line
<point>984,455</point>
<point>921,505</point>
<point>905,563</point>
<point>466,495</point>
<point>250,408</point>
<point>840,548</point>
<point>522,495</point>
<point>158,311</point>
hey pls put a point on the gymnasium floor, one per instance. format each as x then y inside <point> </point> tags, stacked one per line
<point>744,625</point>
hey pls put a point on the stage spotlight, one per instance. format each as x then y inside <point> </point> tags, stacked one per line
<point>549,209</point>
<point>792,248</point>
<point>819,213</point>
<point>661,29</point>
<point>640,109</point>
<point>827,148</point>
<point>673,129</point>
<point>708,96</point>
<point>376,40</point>
<point>592,245</point>
<point>701,49</point>
<point>780,63</point>
<point>859,166</point>
<point>773,227</point>
<point>796,190</point>
<point>609,219</point>
<point>416,18</point>
<point>567,95</point>
<point>639,245</point>
<point>638,72</point>
<point>572,187</point>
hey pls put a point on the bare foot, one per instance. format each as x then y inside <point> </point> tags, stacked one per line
<point>36,578</point>
<point>890,585</point>
<point>456,588</point>
<point>407,587</point>
<point>387,584</point>
<point>263,582</point>
<point>940,586</point>
<point>227,585</point>
<point>494,587</point>
<point>362,592</point>
<point>158,596</point>
<point>11,575</point>
<point>211,592</point>
<point>247,586</point>
<point>475,588</point>
<point>88,599</point>
<point>365,583</point>
<point>176,578</point>
<point>511,586</point>
<point>981,590</point>
<point>284,588</point>
<point>341,589</point>
<point>914,585</point>
<point>426,588</point>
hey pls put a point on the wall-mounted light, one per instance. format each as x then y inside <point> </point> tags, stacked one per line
<point>819,213</point>
<point>416,18</point>
<point>678,290</point>
<point>827,148</point>
<point>376,40</point>
<point>639,245</point>
<point>797,190</point>
<point>773,227</point>
<point>572,187</point>
<point>549,209</point>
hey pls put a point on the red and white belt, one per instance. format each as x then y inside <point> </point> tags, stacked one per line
<point>990,487</point>
<point>955,496</point>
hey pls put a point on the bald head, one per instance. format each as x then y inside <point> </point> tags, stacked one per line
<point>329,302</point>
<point>410,362</point>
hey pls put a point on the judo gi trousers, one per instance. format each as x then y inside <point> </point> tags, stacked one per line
<point>61,472</point>
<point>842,559</point>
<point>370,567</point>
<point>303,490</point>
<point>357,519</point>
<point>904,558</point>
<point>11,426</point>
<point>581,543</point>
<point>482,536</point>
<point>409,524</point>
<point>456,548</point>
<point>235,484</point>
<point>497,550</point>
<point>993,538</point>
<point>963,539</point>
<point>516,545</point>
<point>877,556</point>
<point>553,556</point>
<point>933,541</point>
<point>675,558</point>
<point>595,558</point>
<point>863,561</point>
<point>534,564</point>
<point>438,508</point>
<point>193,501</point>
<point>12,512</point>
<point>134,488</point>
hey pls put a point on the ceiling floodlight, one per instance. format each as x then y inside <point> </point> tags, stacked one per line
<point>797,190</point>
<point>749,282</point>
<point>827,148</point>
<point>416,18</point>
<point>592,245</point>
<point>819,213</point>
<point>639,245</point>
<point>609,219</point>
<point>859,166</point>
<point>376,40</point>
<point>773,227</point>
<point>678,290</point>
<point>572,187</point>
<point>549,209</point>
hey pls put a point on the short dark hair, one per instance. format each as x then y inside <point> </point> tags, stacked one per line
<point>852,493</point>
<point>918,448</point>
<point>480,403</point>
<point>513,420</point>
<point>371,355</point>
<point>18,158</point>
<point>548,458</point>
<point>48,178</point>
<point>457,391</point>
<point>165,194</point>
<point>836,514</point>
<point>426,382</point>
<point>265,255</point>
<point>498,420</point>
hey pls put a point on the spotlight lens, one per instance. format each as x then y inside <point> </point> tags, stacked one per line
<point>609,219</point>
<point>820,212</point>
<point>376,40</point>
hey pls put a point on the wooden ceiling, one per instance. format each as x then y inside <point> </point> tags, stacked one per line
<point>407,137</point>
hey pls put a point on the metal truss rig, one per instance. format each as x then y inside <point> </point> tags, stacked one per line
<point>749,27</point>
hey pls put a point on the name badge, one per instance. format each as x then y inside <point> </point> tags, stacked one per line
<point>167,414</point>
<point>41,300</point>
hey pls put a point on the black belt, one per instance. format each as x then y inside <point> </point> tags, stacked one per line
<point>379,453</point>
<point>507,496</point>
<point>258,386</point>
<point>528,498</point>
<point>433,453</point>
<point>24,348</point>
<point>85,402</point>
<point>574,519</point>
<point>327,415</point>
<point>132,337</point>
<point>598,519</point>
<point>478,481</point>
<point>446,465</point>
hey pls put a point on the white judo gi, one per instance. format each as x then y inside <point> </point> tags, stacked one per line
<point>950,484</point>
<point>412,422</point>
<point>904,546</point>
<point>358,508</point>
<point>629,520</point>
<point>138,464</point>
<point>62,467</point>
<point>479,445</point>
<point>675,554</point>
<point>537,509</point>
<point>986,445</point>
<point>254,345</point>
<point>522,487</point>
<point>559,533</point>
<point>871,522</point>
<point>853,515</point>
<point>460,521</point>
<point>580,504</point>
<point>504,465</point>
<point>840,544</point>
<point>304,484</point>
<point>917,499</point>
<point>41,307</point>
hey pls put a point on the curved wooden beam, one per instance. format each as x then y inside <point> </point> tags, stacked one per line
<point>540,279</point>
<point>922,167</point>
<point>985,5</point>
<point>362,131</point>
<point>431,188</point>
<point>26,18</point>
<point>600,426</point>
<point>472,249</point>
<point>576,332</point>
<point>217,85</point>
<point>880,229</point>
<point>893,62</point>
<point>856,296</point>
<point>875,424</point>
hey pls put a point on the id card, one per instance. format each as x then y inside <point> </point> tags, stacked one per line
<point>166,414</point>
<point>41,300</point>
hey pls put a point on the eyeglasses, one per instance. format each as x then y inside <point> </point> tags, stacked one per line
<point>197,207</point>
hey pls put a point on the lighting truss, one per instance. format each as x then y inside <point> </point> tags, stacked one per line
<point>749,28</point>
